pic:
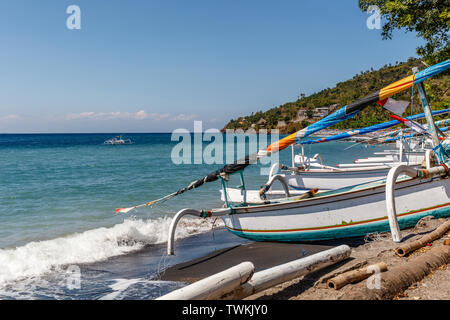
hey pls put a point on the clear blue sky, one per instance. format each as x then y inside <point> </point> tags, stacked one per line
<point>153,66</point>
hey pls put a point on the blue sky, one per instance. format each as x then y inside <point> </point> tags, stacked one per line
<point>153,66</point>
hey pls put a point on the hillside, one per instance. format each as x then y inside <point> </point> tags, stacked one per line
<point>293,116</point>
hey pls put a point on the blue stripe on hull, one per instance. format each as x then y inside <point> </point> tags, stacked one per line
<point>341,232</point>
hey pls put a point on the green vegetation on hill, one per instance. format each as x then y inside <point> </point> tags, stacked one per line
<point>429,19</point>
<point>286,117</point>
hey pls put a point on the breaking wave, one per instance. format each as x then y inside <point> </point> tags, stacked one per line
<point>39,257</point>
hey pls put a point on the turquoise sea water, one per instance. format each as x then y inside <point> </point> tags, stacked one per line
<point>58,193</point>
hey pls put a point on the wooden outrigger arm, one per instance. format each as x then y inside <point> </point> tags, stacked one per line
<point>195,213</point>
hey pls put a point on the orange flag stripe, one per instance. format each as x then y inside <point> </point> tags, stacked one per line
<point>283,143</point>
<point>396,87</point>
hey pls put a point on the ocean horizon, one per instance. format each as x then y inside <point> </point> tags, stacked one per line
<point>57,201</point>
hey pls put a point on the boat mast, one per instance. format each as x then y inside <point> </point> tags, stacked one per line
<point>427,111</point>
<point>433,130</point>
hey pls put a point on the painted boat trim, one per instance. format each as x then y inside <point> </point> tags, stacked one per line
<point>344,231</point>
<point>342,194</point>
<point>344,224</point>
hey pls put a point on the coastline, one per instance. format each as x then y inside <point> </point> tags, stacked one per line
<point>331,132</point>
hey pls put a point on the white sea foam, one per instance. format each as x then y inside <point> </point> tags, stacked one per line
<point>39,257</point>
<point>119,286</point>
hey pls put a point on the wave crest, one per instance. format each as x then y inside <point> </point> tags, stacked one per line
<point>39,257</point>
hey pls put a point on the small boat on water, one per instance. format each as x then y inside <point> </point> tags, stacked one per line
<point>118,140</point>
<point>350,211</point>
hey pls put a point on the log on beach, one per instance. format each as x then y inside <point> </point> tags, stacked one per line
<point>399,278</point>
<point>355,276</point>
<point>215,286</point>
<point>268,278</point>
<point>436,234</point>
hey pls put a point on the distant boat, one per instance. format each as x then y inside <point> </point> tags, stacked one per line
<point>118,140</point>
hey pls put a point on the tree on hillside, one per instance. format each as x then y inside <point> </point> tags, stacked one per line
<point>429,18</point>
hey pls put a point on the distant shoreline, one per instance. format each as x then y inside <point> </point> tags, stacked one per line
<point>320,133</point>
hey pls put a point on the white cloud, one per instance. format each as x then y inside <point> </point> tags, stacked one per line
<point>158,116</point>
<point>82,115</point>
<point>10,117</point>
<point>140,115</point>
<point>184,117</point>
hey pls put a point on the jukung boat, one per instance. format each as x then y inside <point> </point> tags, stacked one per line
<point>345,212</point>
<point>118,140</point>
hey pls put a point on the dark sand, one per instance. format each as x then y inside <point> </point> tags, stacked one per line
<point>368,250</point>
<point>377,248</point>
<point>262,254</point>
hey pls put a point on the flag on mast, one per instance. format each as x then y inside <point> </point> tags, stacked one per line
<point>376,127</point>
<point>417,127</point>
<point>354,108</point>
<point>394,106</point>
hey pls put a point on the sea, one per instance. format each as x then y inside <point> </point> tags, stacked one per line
<point>60,237</point>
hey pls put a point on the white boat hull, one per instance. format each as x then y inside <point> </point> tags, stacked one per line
<point>301,182</point>
<point>236,195</point>
<point>324,179</point>
<point>415,157</point>
<point>352,212</point>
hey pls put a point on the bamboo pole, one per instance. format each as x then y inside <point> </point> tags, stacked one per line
<point>235,283</point>
<point>268,278</point>
<point>390,198</point>
<point>436,234</point>
<point>355,276</point>
<point>196,213</point>
<point>215,286</point>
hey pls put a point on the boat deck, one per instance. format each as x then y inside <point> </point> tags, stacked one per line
<point>362,186</point>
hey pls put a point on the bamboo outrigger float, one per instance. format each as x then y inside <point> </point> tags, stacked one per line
<point>351,211</point>
<point>241,281</point>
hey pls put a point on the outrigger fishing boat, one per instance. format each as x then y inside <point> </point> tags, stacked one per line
<point>346,212</point>
<point>118,140</point>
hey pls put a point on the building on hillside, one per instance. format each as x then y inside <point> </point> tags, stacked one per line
<point>320,112</point>
<point>301,115</point>
<point>262,122</point>
<point>281,124</point>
